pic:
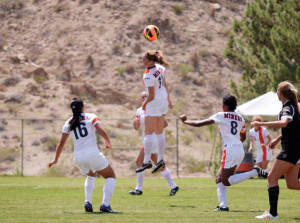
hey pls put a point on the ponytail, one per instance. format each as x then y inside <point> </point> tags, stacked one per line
<point>157,56</point>
<point>289,92</point>
<point>76,106</point>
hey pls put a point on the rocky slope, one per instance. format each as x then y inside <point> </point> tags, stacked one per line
<point>51,51</point>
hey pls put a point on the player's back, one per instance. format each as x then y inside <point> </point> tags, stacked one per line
<point>155,77</point>
<point>231,125</point>
<point>84,136</point>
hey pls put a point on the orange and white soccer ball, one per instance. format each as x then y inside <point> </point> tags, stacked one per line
<point>151,32</point>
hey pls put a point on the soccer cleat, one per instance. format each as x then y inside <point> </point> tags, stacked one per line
<point>135,192</point>
<point>88,207</point>
<point>267,215</point>
<point>106,209</point>
<point>143,167</point>
<point>174,191</point>
<point>261,172</point>
<point>159,166</point>
<point>218,208</point>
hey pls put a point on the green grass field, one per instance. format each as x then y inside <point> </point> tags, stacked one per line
<point>38,199</point>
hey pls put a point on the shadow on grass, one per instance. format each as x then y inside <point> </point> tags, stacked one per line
<point>246,211</point>
<point>181,206</point>
<point>103,213</point>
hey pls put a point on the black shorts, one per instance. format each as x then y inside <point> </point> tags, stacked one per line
<point>290,153</point>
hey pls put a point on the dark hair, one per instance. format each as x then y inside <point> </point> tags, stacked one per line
<point>156,56</point>
<point>76,106</point>
<point>230,101</point>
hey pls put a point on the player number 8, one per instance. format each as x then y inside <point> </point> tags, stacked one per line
<point>234,127</point>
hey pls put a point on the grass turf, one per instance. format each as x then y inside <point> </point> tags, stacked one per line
<point>59,199</point>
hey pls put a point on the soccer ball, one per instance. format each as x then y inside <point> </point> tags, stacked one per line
<point>151,32</point>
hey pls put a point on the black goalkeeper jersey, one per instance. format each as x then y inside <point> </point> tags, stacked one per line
<point>291,133</point>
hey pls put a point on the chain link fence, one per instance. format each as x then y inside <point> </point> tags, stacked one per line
<point>27,145</point>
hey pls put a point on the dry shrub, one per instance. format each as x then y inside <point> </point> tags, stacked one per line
<point>39,75</point>
<point>33,89</point>
<point>11,81</point>
<point>2,88</point>
<point>195,165</point>
<point>130,69</point>
<point>136,48</point>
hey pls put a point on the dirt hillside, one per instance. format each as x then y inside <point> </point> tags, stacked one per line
<point>51,51</point>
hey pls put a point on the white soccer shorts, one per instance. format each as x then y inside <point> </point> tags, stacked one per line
<point>268,156</point>
<point>156,108</point>
<point>91,161</point>
<point>233,156</point>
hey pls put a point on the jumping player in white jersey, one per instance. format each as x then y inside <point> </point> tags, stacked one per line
<point>232,129</point>
<point>86,153</point>
<point>138,122</point>
<point>155,107</point>
<point>261,137</point>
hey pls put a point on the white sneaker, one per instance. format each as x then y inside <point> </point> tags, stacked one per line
<point>267,215</point>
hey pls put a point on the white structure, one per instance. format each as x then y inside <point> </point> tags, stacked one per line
<point>266,105</point>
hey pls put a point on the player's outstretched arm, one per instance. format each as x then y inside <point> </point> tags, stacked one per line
<point>59,148</point>
<point>276,124</point>
<point>274,142</point>
<point>251,145</point>
<point>170,104</point>
<point>243,136</point>
<point>104,135</point>
<point>196,123</point>
<point>150,97</point>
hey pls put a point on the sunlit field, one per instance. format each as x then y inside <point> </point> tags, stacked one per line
<point>38,199</point>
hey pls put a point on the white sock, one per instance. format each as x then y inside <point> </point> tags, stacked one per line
<point>89,188</point>
<point>222,195</point>
<point>161,146</point>
<point>237,178</point>
<point>108,190</point>
<point>149,141</point>
<point>140,180</point>
<point>168,177</point>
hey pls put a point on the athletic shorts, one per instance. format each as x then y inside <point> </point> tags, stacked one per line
<point>290,154</point>
<point>264,156</point>
<point>156,108</point>
<point>91,161</point>
<point>232,156</point>
<point>154,149</point>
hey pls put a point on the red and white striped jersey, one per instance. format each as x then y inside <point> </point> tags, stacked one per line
<point>260,138</point>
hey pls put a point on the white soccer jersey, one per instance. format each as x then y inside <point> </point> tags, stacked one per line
<point>140,115</point>
<point>260,139</point>
<point>155,77</point>
<point>84,136</point>
<point>231,124</point>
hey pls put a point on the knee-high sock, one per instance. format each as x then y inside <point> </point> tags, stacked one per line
<point>168,177</point>
<point>222,195</point>
<point>108,190</point>
<point>273,199</point>
<point>140,181</point>
<point>161,146</point>
<point>149,141</point>
<point>89,188</point>
<point>237,178</point>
